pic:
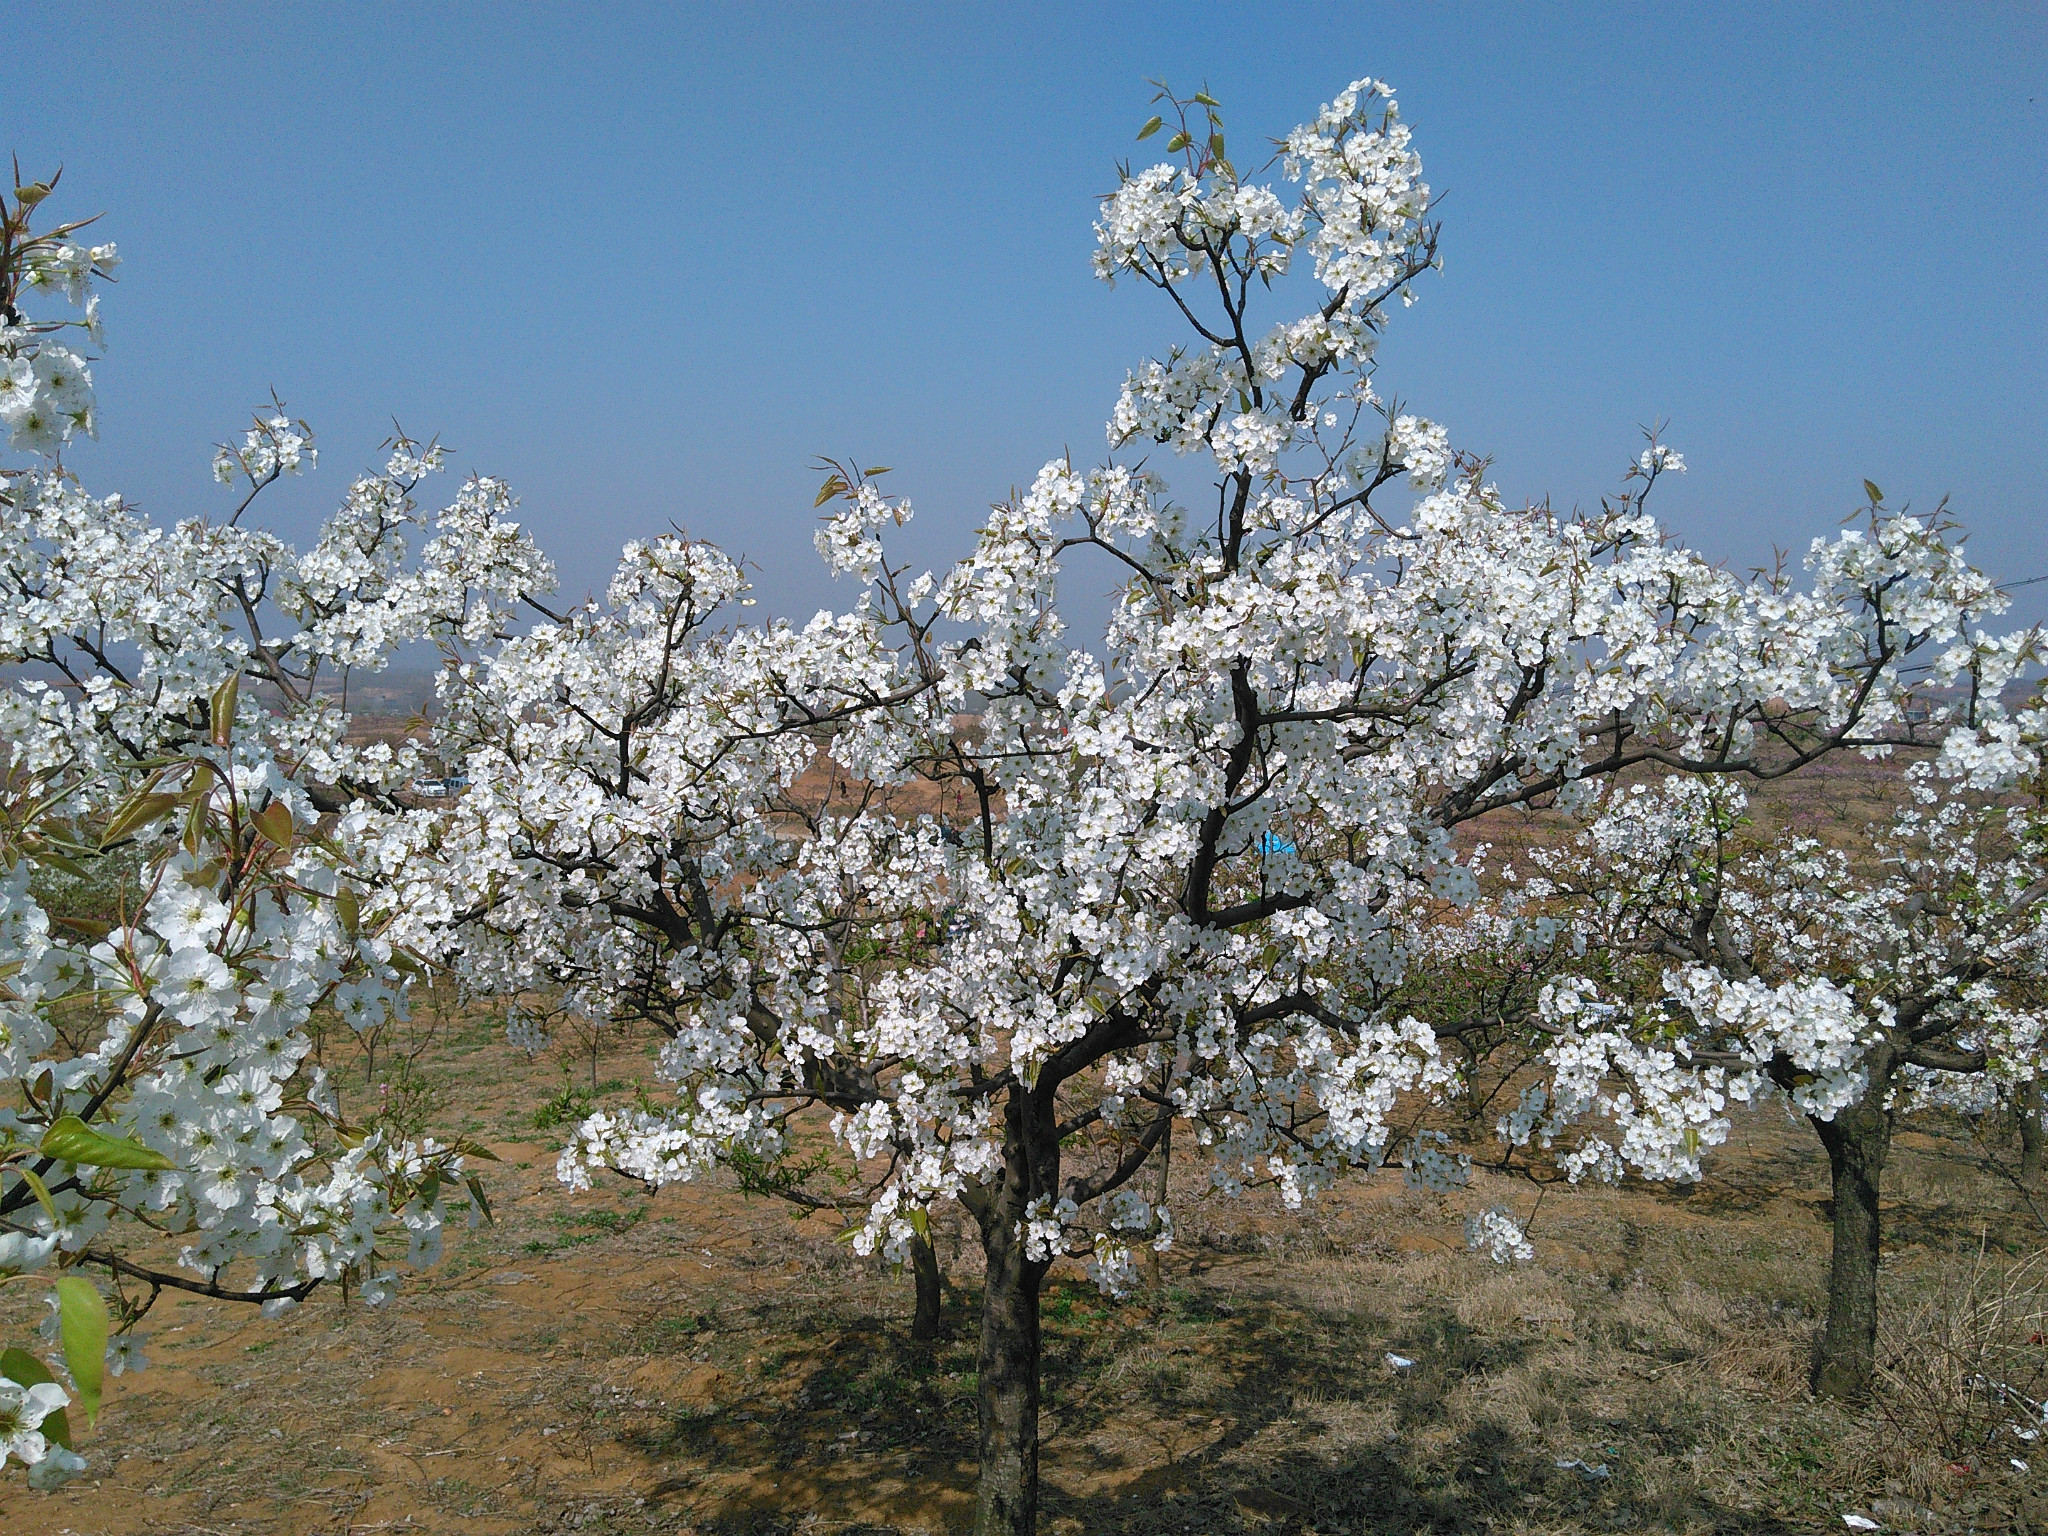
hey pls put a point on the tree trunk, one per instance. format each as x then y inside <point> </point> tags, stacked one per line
<point>2030,1130</point>
<point>1006,1497</point>
<point>1154,1270</point>
<point>1006,1494</point>
<point>930,1321</point>
<point>1858,1140</point>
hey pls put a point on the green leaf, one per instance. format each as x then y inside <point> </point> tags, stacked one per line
<point>23,1368</point>
<point>50,858</point>
<point>220,709</point>
<point>82,1326</point>
<point>1151,127</point>
<point>41,1191</point>
<point>879,469</point>
<point>274,821</point>
<point>1216,145</point>
<point>349,910</point>
<point>828,490</point>
<point>1203,98</point>
<point>71,1140</point>
<point>1873,492</point>
<point>1178,142</point>
<point>138,811</point>
<point>476,1193</point>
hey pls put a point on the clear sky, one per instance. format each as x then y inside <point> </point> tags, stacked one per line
<point>647,263</point>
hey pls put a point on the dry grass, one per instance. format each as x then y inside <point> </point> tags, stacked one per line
<point>1962,1373</point>
<point>697,1362</point>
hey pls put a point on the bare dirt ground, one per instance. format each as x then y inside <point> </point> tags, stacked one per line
<point>698,1362</point>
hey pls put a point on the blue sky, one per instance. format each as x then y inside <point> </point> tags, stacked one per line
<point>648,263</point>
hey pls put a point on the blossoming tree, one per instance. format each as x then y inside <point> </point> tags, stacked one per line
<point>164,739</point>
<point>1684,961</point>
<point>1197,854</point>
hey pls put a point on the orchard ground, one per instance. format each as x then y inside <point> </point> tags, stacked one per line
<point>697,1362</point>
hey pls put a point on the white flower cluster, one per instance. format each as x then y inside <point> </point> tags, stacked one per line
<point>153,1054</point>
<point>1420,447</point>
<point>23,1412</point>
<point>1496,1233</point>
<point>46,394</point>
<point>1658,459</point>
<point>1359,211</point>
<point>1429,1166</point>
<point>275,445</point>
<point>1667,1107</point>
<point>848,541</point>
<point>524,1032</point>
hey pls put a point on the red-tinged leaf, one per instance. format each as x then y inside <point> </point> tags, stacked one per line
<point>274,821</point>
<point>92,928</point>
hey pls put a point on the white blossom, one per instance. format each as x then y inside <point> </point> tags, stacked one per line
<point>234,910</point>
<point>1496,1233</point>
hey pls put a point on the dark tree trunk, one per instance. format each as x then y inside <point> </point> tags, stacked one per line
<point>1858,1140</point>
<point>2030,1130</point>
<point>1006,1495</point>
<point>930,1322</point>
